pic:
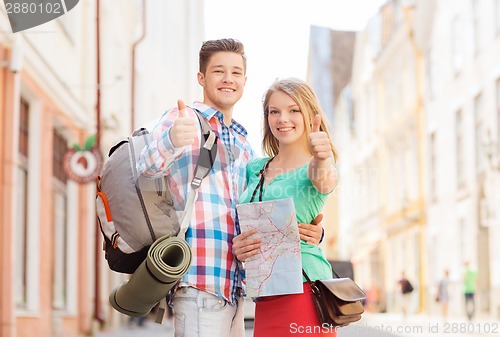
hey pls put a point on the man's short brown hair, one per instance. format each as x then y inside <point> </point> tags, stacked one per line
<point>211,47</point>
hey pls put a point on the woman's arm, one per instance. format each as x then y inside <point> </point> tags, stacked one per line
<point>323,174</point>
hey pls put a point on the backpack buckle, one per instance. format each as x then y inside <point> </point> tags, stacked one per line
<point>196,182</point>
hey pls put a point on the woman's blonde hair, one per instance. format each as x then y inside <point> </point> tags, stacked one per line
<point>308,104</point>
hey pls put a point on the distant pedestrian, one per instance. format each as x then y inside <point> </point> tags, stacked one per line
<point>406,290</point>
<point>139,321</point>
<point>442,296</point>
<point>470,279</point>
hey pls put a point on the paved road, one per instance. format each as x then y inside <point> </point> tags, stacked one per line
<point>152,329</point>
<point>372,325</point>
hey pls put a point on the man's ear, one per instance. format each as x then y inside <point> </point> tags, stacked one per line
<point>201,79</point>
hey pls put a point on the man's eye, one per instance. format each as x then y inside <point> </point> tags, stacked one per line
<point>237,73</point>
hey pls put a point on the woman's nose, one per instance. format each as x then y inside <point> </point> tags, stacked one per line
<point>283,118</point>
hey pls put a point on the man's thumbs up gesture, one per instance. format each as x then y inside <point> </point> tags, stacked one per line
<point>183,131</point>
<point>319,144</point>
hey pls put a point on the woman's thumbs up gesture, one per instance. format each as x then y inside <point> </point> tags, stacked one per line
<point>321,171</point>
<point>319,143</point>
<point>183,131</point>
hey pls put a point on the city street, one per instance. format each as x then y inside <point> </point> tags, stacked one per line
<point>409,98</point>
<point>373,325</point>
<point>152,329</point>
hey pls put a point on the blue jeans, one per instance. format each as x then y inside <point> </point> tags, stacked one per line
<point>470,305</point>
<point>200,314</point>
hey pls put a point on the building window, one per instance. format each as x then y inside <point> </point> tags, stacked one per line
<point>21,263</point>
<point>497,16</point>
<point>497,94</point>
<point>476,27</point>
<point>459,151</point>
<point>457,34</point>
<point>464,239</point>
<point>390,99</point>
<point>480,133</point>
<point>431,73</point>
<point>60,271</point>
<point>60,148</point>
<point>432,166</point>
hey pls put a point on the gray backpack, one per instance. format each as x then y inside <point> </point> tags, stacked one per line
<point>134,211</point>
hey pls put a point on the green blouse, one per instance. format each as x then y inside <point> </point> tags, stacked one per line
<point>308,204</point>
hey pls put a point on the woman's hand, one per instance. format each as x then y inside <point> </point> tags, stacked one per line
<point>322,171</point>
<point>245,247</point>
<point>311,233</point>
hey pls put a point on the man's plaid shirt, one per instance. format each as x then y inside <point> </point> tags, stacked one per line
<point>214,268</point>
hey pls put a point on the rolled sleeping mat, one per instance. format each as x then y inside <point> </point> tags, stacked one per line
<point>167,261</point>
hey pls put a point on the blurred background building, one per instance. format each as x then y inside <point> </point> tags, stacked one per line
<point>414,104</point>
<point>417,129</point>
<point>55,281</point>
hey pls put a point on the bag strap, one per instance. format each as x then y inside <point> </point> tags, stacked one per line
<point>260,185</point>
<point>208,152</point>
<point>307,277</point>
<point>314,287</point>
<point>311,282</point>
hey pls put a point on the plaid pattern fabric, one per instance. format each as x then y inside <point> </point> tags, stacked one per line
<point>214,268</point>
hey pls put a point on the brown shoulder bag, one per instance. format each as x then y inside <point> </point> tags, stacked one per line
<point>337,301</point>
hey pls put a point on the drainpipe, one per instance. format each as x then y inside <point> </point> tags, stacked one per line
<point>97,249</point>
<point>134,47</point>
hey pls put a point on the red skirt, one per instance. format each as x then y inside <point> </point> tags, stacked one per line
<point>289,315</point>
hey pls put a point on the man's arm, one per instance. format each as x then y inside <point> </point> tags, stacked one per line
<point>174,131</point>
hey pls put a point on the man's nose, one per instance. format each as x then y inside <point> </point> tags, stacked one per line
<point>228,78</point>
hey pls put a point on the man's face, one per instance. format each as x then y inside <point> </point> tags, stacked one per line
<point>223,81</point>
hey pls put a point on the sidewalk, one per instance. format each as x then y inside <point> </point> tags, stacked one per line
<point>412,326</point>
<point>425,325</point>
<point>150,329</point>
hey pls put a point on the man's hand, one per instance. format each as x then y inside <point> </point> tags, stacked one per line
<point>183,131</point>
<point>312,233</point>
<point>244,247</point>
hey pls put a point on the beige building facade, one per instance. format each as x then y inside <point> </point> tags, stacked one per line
<point>55,281</point>
<point>418,130</point>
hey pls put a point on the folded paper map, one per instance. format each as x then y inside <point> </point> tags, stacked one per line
<point>277,268</point>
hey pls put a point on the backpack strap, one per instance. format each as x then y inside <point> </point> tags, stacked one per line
<point>208,152</point>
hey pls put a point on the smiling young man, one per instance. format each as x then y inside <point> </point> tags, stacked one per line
<point>208,300</point>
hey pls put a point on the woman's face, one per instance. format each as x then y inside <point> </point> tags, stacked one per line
<point>285,119</point>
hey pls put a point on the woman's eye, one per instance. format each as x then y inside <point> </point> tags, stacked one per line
<point>272,112</point>
<point>295,110</point>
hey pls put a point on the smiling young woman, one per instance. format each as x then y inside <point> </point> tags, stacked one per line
<point>300,166</point>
